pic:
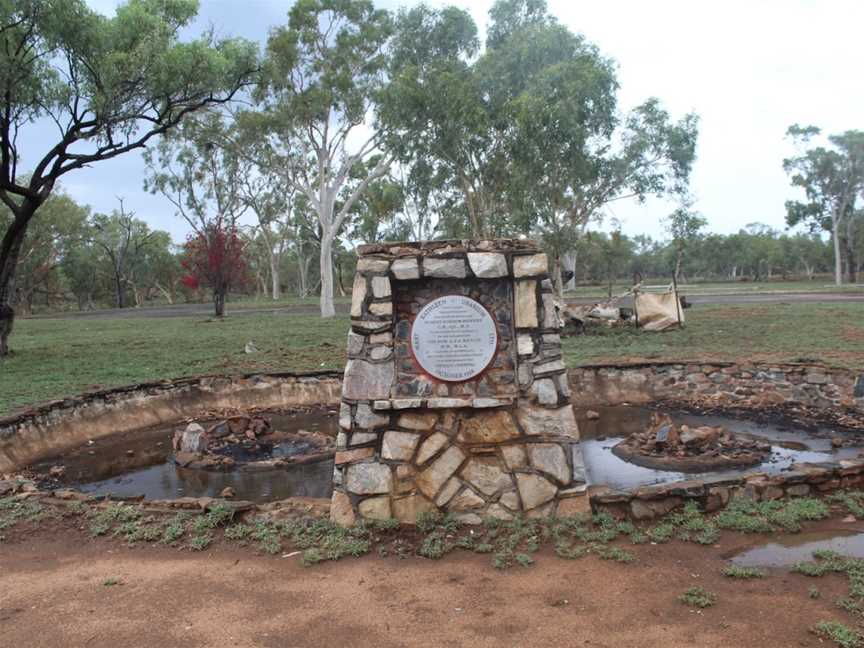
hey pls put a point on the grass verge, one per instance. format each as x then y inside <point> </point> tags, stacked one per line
<point>58,358</point>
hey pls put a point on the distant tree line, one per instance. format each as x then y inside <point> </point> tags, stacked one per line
<point>353,124</point>
<point>73,259</point>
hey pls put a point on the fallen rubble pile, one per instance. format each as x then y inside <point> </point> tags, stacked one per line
<point>664,445</point>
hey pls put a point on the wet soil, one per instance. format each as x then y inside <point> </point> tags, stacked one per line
<point>785,551</point>
<point>140,463</point>
<point>52,593</point>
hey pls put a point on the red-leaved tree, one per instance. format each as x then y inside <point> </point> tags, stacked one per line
<point>215,257</point>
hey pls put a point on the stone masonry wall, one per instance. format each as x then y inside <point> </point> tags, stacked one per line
<point>724,384</point>
<point>501,444</point>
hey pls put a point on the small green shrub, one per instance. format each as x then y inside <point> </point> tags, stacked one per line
<point>698,597</point>
<point>743,573</point>
<point>842,635</point>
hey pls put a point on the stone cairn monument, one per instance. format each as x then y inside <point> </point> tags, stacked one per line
<point>455,396</point>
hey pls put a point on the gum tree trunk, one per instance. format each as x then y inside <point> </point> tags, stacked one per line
<point>219,302</point>
<point>274,276</point>
<point>10,250</point>
<point>326,267</point>
<point>838,259</point>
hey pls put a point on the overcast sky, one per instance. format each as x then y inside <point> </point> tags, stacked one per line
<point>749,68</point>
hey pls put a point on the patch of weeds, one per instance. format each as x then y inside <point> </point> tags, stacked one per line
<point>390,524</point>
<point>698,597</point>
<point>144,530</point>
<point>312,557</point>
<point>572,552</point>
<point>102,520</point>
<point>238,532</point>
<point>814,592</point>
<point>322,539</point>
<point>483,548</point>
<point>639,537</point>
<point>776,515</point>
<point>502,559</point>
<point>174,529</point>
<point>852,501</point>
<point>219,514</point>
<point>13,511</point>
<point>663,532</point>
<point>840,634</point>
<point>707,536</point>
<point>76,508</point>
<point>743,573</point>
<point>523,559</point>
<point>827,562</point>
<point>111,582</point>
<point>616,554</point>
<point>434,546</point>
<point>266,534</point>
<point>201,541</point>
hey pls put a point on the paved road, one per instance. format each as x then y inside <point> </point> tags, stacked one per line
<point>205,310</point>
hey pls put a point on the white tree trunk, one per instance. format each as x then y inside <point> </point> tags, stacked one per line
<point>326,262</point>
<point>838,265</point>
<point>274,276</point>
<point>569,260</point>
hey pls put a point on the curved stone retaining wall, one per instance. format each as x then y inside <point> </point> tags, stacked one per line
<point>713,494</point>
<point>57,426</point>
<point>723,384</point>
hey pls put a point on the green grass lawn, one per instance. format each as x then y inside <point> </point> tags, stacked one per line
<point>57,358</point>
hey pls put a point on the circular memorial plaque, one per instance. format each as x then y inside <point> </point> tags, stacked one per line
<point>454,338</point>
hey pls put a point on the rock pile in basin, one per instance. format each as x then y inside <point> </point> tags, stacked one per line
<point>246,442</point>
<point>665,445</point>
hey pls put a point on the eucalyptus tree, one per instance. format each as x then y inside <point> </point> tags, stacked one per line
<point>204,183</point>
<point>124,241</point>
<point>322,74</point>
<point>63,223</point>
<point>526,130</point>
<point>684,226</point>
<point>436,115</point>
<point>832,178</point>
<point>106,85</point>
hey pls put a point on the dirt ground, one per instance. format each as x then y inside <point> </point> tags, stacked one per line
<point>56,590</point>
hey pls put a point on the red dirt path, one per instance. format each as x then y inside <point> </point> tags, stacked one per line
<point>52,593</point>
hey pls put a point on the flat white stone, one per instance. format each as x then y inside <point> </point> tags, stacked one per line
<point>545,391</point>
<point>524,345</point>
<point>405,269</point>
<point>406,403</point>
<point>359,438</point>
<point>381,286</point>
<point>367,418</point>
<point>530,266</point>
<point>358,294</point>
<point>454,338</point>
<point>482,403</point>
<point>380,353</point>
<point>370,264</point>
<point>441,403</point>
<point>399,446</point>
<point>345,416</point>
<point>444,268</point>
<point>381,308</point>
<point>488,265</point>
<point>526,304</point>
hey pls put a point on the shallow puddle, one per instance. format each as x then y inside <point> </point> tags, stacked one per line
<point>786,550</point>
<point>788,446</point>
<point>140,463</point>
